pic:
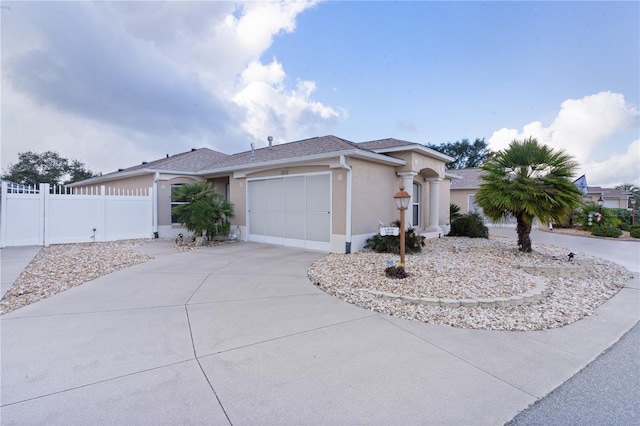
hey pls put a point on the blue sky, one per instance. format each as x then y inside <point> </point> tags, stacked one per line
<point>114,84</point>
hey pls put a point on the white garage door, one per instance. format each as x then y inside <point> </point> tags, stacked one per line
<point>292,211</point>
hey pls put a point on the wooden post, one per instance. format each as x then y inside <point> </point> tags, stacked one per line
<point>402,237</point>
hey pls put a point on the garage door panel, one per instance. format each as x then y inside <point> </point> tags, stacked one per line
<point>275,224</point>
<point>318,193</point>
<point>318,226</point>
<point>257,196</point>
<point>294,225</point>
<point>257,222</point>
<point>274,194</point>
<point>295,189</point>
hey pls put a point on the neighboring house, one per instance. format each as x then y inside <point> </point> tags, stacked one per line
<point>323,193</point>
<point>463,192</point>
<point>613,198</point>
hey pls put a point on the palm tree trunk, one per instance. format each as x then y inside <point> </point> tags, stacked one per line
<point>524,234</point>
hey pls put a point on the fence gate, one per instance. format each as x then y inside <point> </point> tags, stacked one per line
<point>42,216</point>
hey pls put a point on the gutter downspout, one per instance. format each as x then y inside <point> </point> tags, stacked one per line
<point>343,164</point>
<point>156,178</point>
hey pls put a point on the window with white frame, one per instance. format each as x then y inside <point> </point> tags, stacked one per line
<point>416,205</point>
<point>174,188</point>
<point>473,207</point>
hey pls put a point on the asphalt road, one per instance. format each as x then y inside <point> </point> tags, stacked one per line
<point>605,392</point>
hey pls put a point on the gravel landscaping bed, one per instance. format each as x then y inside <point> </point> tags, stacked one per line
<point>476,269</point>
<point>59,267</point>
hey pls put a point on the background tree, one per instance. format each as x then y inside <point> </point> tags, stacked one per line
<point>205,213</point>
<point>528,180</point>
<point>49,167</point>
<point>466,154</point>
<point>633,189</point>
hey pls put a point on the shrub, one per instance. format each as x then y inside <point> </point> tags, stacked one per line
<point>454,212</point>
<point>204,212</point>
<point>606,231</point>
<point>635,233</point>
<point>396,272</point>
<point>609,217</point>
<point>413,242</point>
<point>469,225</point>
<point>625,226</point>
<point>623,214</point>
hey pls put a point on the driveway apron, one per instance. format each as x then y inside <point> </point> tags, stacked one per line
<point>237,334</point>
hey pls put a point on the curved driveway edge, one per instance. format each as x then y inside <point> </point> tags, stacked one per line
<point>237,334</point>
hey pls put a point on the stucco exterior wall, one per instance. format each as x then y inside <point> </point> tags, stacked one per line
<point>373,187</point>
<point>460,197</point>
<point>417,162</point>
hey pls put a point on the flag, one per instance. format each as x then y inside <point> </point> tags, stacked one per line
<point>581,184</point>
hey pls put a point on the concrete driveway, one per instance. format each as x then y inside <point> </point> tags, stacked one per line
<point>237,335</point>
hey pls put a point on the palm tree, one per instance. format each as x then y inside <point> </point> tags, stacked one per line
<point>205,212</point>
<point>528,180</point>
<point>633,189</point>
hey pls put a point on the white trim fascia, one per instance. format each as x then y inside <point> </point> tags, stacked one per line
<point>451,176</point>
<point>428,151</point>
<point>244,169</point>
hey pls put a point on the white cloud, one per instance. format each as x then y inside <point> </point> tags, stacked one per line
<point>592,129</point>
<point>112,84</point>
<point>273,110</point>
<point>616,169</point>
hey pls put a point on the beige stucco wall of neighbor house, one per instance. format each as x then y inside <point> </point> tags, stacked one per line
<point>460,197</point>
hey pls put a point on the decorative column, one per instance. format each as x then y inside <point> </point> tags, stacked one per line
<point>434,203</point>
<point>407,182</point>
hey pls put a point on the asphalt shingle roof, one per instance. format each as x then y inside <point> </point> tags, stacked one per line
<point>190,161</point>
<point>385,143</point>
<point>298,149</point>
<point>470,178</point>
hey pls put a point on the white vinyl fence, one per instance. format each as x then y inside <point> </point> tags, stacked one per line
<point>42,216</point>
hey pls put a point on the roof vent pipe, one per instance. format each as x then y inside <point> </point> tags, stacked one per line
<point>270,139</point>
<point>253,151</point>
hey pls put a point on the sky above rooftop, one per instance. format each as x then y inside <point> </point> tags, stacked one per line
<point>113,84</point>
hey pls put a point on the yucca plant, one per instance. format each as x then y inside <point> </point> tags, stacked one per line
<point>528,180</point>
<point>205,213</point>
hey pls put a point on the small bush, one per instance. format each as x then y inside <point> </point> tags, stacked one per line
<point>608,218</point>
<point>396,272</point>
<point>469,225</point>
<point>413,242</point>
<point>625,226</point>
<point>454,212</point>
<point>606,231</point>
<point>635,233</point>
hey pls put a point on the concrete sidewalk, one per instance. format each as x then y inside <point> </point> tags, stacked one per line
<point>13,261</point>
<point>238,335</point>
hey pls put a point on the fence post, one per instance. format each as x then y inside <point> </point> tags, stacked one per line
<point>44,231</point>
<point>101,234</point>
<point>3,215</point>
